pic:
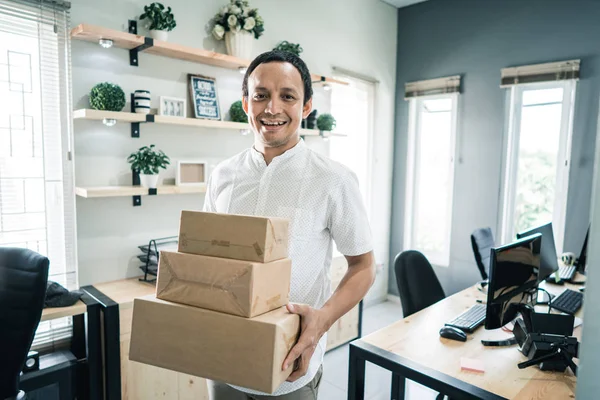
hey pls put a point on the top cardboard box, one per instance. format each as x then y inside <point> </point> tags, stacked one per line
<point>239,237</point>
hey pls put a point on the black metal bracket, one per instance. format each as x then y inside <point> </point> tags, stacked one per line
<point>133,53</point>
<point>133,26</point>
<point>135,126</point>
<point>135,181</point>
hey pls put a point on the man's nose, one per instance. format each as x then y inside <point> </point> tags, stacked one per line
<point>273,106</point>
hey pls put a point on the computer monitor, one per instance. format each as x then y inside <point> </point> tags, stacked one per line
<point>582,260</point>
<point>513,280</point>
<point>549,262</point>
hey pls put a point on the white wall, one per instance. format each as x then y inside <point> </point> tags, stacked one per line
<point>358,35</point>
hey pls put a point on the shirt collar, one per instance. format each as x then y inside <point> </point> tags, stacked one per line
<point>257,156</point>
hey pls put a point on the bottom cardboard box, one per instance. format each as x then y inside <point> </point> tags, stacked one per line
<point>247,352</point>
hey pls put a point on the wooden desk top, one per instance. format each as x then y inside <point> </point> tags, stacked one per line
<point>417,339</point>
<point>58,312</point>
<point>123,292</point>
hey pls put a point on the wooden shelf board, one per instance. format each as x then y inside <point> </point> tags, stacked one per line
<point>128,41</point>
<point>165,119</point>
<point>99,115</point>
<point>119,191</point>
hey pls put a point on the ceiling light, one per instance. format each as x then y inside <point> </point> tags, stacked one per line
<point>326,87</point>
<point>109,121</point>
<point>106,43</point>
<point>242,70</point>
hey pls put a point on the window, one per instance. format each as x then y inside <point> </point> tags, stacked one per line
<point>353,108</point>
<point>37,203</point>
<point>538,149</point>
<point>431,153</point>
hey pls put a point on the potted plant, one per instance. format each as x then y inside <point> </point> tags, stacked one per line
<point>237,113</point>
<point>147,162</point>
<point>107,96</point>
<point>161,21</point>
<point>238,24</point>
<point>326,122</point>
<point>291,47</point>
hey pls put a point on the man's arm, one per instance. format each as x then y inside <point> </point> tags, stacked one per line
<point>316,322</point>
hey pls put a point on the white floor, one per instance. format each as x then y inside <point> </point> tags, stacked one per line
<point>377,380</point>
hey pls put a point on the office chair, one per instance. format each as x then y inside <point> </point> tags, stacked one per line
<point>418,285</point>
<point>482,241</point>
<point>23,278</point>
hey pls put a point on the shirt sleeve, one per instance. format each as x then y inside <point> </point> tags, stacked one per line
<point>348,222</point>
<point>209,203</point>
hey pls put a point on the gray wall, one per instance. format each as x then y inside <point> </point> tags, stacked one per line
<point>476,39</point>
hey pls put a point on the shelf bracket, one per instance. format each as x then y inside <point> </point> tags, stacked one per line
<point>135,181</point>
<point>133,53</point>
<point>135,126</point>
<point>133,26</point>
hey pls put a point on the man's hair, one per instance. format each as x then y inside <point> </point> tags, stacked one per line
<point>281,56</point>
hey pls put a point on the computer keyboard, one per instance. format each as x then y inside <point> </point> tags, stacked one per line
<point>565,274</point>
<point>469,320</point>
<point>568,301</point>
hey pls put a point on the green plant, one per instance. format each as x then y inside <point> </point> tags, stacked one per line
<point>291,47</point>
<point>148,161</point>
<point>235,17</point>
<point>237,113</point>
<point>325,122</point>
<point>160,19</point>
<point>107,96</point>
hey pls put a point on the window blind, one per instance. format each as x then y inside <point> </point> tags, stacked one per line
<point>37,200</point>
<point>555,71</point>
<point>432,87</point>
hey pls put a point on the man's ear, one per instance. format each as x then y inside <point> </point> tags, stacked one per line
<point>307,108</point>
<point>245,104</point>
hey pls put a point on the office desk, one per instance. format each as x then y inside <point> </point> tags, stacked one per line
<point>127,379</point>
<point>412,349</point>
<point>78,372</point>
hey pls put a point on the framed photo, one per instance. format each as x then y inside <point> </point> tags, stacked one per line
<point>191,173</point>
<point>203,92</point>
<point>172,106</point>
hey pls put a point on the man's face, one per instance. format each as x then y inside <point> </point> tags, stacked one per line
<point>275,103</point>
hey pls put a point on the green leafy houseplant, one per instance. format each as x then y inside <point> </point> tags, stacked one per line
<point>235,17</point>
<point>326,122</point>
<point>160,19</point>
<point>291,47</point>
<point>148,161</point>
<point>107,96</point>
<point>237,113</point>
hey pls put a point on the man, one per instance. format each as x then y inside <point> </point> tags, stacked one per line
<point>279,176</point>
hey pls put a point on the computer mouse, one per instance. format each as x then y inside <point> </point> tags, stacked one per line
<point>450,332</point>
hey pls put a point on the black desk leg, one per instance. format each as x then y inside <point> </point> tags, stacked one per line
<point>356,375</point>
<point>87,349</point>
<point>112,352</point>
<point>398,387</point>
<point>94,352</point>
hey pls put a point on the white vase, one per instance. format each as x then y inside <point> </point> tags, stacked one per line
<point>149,181</point>
<point>141,101</point>
<point>159,35</point>
<point>239,44</point>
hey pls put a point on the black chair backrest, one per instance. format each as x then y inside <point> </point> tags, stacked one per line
<point>23,278</point>
<point>482,241</point>
<point>418,285</point>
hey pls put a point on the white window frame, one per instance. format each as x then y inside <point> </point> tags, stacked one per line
<point>441,259</point>
<point>510,158</point>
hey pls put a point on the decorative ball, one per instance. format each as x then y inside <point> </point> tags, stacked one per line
<point>237,113</point>
<point>107,96</point>
<point>325,122</point>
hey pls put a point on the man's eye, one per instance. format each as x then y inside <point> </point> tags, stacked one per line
<point>289,97</point>
<point>259,96</point>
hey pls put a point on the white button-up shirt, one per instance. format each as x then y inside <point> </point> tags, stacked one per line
<point>321,199</point>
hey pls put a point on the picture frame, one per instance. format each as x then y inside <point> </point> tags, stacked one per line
<point>172,106</point>
<point>191,173</point>
<point>204,97</point>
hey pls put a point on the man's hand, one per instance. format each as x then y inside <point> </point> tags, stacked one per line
<point>313,325</point>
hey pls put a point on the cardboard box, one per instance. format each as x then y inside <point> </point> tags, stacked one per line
<point>243,288</point>
<point>239,237</point>
<point>247,352</point>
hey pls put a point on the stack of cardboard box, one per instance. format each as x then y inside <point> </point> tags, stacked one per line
<point>219,310</point>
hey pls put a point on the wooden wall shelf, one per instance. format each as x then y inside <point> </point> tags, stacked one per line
<point>120,191</point>
<point>130,41</point>
<point>129,117</point>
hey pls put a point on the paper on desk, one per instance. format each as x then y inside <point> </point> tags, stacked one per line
<point>577,322</point>
<point>471,364</point>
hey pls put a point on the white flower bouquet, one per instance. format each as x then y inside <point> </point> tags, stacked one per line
<point>235,17</point>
